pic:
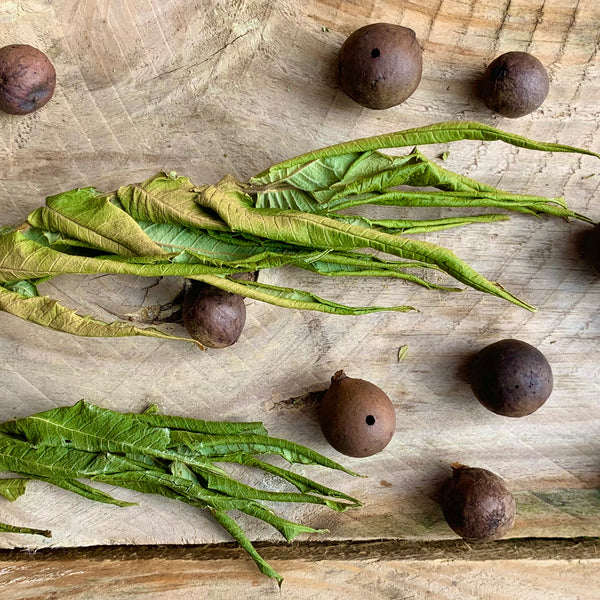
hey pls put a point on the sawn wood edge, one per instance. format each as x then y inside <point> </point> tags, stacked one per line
<point>579,548</point>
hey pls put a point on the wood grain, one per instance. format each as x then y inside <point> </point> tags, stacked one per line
<point>386,570</point>
<point>210,88</point>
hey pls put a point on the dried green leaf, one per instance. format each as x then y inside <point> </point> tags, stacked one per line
<point>53,315</point>
<point>322,232</point>
<point>438,133</point>
<point>167,198</point>
<point>291,297</point>
<point>6,528</point>
<point>84,215</point>
<point>287,215</point>
<point>12,488</point>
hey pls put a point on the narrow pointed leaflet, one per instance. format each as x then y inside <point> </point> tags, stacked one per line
<point>181,458</point>
<point>287,215</point>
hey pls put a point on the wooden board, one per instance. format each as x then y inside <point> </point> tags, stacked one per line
<point>440,571</point>
<point>210,88</point>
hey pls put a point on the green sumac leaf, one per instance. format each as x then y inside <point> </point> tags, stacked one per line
<point>322,232</point>
<point>198,425</point>
<point>237,251</point>
<point>159,454</point>
<point>86,491</point>
<point>22,258</point>
<point>48,462</point>
<point>310,176</point>
<point>182,471</point>
<point>286,215</point>
<point>40,236</point>
<point>167,199</point>
<point>288,198</point>
<point>317,182</point>
<point>419,171</point>
<point>236,489</point>
<point>183,487</point>
<point>11,488</point>
<point>438,133</point>
<point>53,240</point>
<point>292,297</point>
<point>414,226</point>
<point>532,205</point>
<point>49,313</point>
<point>457,190</point>
<point>331,267</point>
<point>26,288</point>
<point>410,174</point>
<point>304,484</point>
<point>238,535</point>
<point>223,249</point>
<point>289,529</point>
<point>84,215</point>
<point>88,427</point>
<point>6,528</point>
<point>216,446</point>
<point>372,162</point>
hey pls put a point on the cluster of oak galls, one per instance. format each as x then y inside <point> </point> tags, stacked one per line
<point>379,66</point>
<point>509,377</point>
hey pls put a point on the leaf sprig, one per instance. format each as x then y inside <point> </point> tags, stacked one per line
<point>290,214</point>
<point>176,457</point>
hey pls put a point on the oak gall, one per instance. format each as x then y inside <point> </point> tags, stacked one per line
<point>511,378</point>
<point>357,417</point>
<point>212,316</point>
<point>515,84</point>
<point>380,65</point>
<point>477,505</point>
<point>27,79</point>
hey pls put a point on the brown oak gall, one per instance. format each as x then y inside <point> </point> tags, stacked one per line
<point>27,79</point>
<point>357,417</point>
<point>380,65</point>
<point>477,505</point>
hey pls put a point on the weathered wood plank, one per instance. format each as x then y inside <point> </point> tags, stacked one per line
<point>209,88</point>
<point>388,570</point>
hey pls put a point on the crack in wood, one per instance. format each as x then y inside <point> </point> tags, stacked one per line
<point>511,549</point>
<point>198,64</point>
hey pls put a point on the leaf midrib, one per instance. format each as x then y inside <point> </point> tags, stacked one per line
<point>92,230</point>
<point>86,433</point>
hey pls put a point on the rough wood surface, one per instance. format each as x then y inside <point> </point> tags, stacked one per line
<point>208,88</point>
<point>386,570</point>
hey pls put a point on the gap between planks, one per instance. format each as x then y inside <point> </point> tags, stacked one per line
<point>580,548</point>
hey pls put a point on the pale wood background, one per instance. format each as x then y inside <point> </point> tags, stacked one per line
<point>209,88</point>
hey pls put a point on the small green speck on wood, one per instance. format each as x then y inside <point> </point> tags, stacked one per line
<point>288,215</point>
<point>402,352</point>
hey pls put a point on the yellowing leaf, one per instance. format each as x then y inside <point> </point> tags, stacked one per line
<point>53,315</point>
<point>84,215</point>
<point>166,199</point>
